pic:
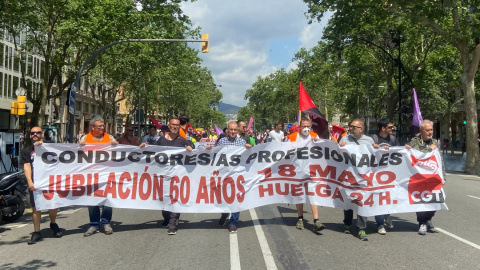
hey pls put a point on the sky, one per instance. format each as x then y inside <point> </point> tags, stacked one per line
<point>250,38</point>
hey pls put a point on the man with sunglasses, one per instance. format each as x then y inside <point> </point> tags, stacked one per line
<point>128,138</point>
<point>172,139</point>
<point>98,135</point>
<point>28,154</point>
<point>356,136</point>
<point>384,138</point>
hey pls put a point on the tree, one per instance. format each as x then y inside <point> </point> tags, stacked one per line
<point>455,21</point>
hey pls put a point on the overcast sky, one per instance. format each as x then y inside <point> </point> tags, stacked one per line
<point>250,39</point>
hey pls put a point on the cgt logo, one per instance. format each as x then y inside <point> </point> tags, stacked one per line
<point>430,163</point>
<point>425,188</point>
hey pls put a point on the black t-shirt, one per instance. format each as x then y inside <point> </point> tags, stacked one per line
<point>177,142</point>
<point>28,154</point>
<point>390,140</point>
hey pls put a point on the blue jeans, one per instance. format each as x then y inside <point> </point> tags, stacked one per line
<point>94,213</point>
<point>380,220</point>
<point>234,219</point>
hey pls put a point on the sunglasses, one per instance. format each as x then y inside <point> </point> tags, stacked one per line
<point>36,132</point>
<point>353,127</point>
<point>391,127</point>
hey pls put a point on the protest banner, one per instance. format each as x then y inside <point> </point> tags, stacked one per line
<point>233,178</point>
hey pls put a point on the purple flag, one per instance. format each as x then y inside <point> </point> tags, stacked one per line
<point>417,115</point>
<point>218,130</point>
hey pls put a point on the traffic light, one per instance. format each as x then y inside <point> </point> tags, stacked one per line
<point>205,43</point>
<point>13,108</point>
<point>464,122</point>
<point>21,105</point>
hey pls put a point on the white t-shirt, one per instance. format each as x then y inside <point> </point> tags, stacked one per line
<point>276,136</point>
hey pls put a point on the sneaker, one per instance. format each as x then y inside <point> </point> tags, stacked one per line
<point>423,229</point>
<point>300,224</point>
<point>223,220</point>
<point>346,229</point>
<point>108,229</point>
<point>165,223</point>
<point>381,230</point>
<point>232,229</point>
<point>318,226</point>
<point>431,228</point>
<point>172,232</point>
<point>36,236</point>
<point>90,231</point>
<point>362,235</point>
<point>56,230</point>
<point>389,222</point>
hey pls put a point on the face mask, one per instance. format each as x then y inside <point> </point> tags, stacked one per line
<point>305,131</point>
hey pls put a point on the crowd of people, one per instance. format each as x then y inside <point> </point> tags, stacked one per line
<point>237,134</point>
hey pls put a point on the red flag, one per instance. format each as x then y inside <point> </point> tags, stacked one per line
<point>319,123</point>
<point>192,130</point>
<point>156,122</point>
<point>337,131</point>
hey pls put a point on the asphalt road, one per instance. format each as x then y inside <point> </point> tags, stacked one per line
<point>266,239</point>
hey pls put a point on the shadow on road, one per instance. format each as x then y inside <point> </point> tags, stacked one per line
<point>33,264</point>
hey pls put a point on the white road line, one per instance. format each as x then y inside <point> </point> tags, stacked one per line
<point>14,226</point>
<point>267,253</point>
<point>234,253</point>
<point>458,238</point>
<point>473,197</point>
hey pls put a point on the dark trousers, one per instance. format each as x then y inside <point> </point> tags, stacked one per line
<point>173,219</point>
<point>423,217</point>
<point>348,219</point>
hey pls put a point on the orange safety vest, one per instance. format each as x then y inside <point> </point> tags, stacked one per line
<point>293,137</point>
<point>105,139</point>
<point>182,133</point>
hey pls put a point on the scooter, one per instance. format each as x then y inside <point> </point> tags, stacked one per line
<point>13,191</point>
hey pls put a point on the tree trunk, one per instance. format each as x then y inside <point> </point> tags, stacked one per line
<point>473,164</point>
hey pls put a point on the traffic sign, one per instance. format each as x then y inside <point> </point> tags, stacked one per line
<point>71,100</point>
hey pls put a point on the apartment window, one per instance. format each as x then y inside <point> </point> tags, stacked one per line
<point>8,85</point>
<point>8,59</point>
<point>2,47</point>
<point>1,84</point>
<point>40,69</point>
<point>16,84</point>
<point>29,70</point>
<point>16,63</point>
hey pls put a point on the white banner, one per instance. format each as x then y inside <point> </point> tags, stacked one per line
<point>232,178</point>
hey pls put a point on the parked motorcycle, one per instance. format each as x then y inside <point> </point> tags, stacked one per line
<point>13,191</point>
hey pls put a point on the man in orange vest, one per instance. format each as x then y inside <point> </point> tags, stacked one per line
<point>305,133</point>
<point>98,135</point>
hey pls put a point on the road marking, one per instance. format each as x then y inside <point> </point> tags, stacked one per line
<point>14,226</point>
<point>458,238</point>
<point>473,197</point>
<point>267,253</point>
<point>234,253</point>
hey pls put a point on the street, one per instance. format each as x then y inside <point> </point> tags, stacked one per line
<point>266,239</point>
